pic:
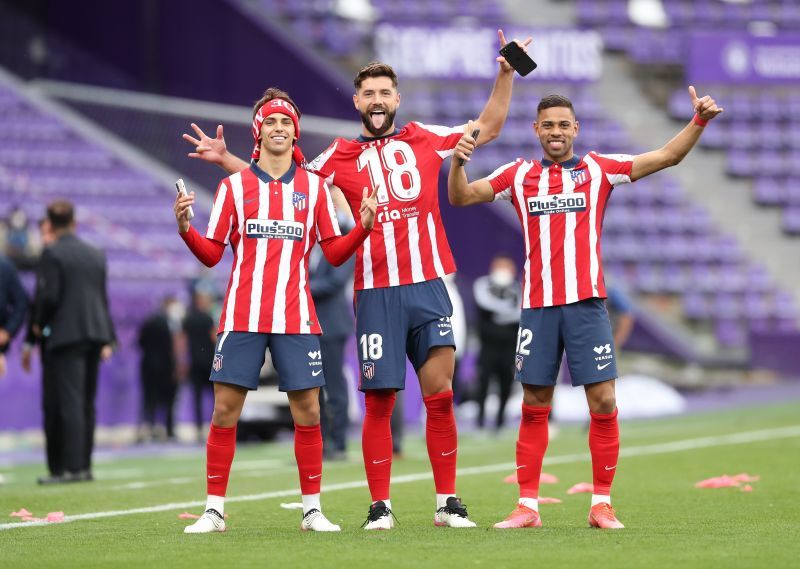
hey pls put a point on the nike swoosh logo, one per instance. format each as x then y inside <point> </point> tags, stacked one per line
<point>316,373</point>
<point>250,201</point>
<point>449,453</point>
<point>380,461</point>
<point>445,333</point>
<point>217,476</point>
<point>315,476</point>
<point>610,467</point>
<point>602,367</point>
<point>523,466</point>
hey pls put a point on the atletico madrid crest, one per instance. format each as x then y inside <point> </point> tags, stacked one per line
<point>368,369</point>
<point>299,201</point>
<point>217,365</point>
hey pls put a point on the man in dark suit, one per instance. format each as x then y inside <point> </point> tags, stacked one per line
<point>13,304</point>
<point>52,423</point>
<point>328,284</point>
<point>74,322</point>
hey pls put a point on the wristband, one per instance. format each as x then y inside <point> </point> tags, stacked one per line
<point>698,121</point>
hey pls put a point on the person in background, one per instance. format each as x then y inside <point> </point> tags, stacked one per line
<point>73,322</point>
<point>498,297</point>
<point>621,313</point>
<point>13,305</point>
<point>52,423</point>
<point>158,371</point>
<point>200,333</point>
<point>330,289</point>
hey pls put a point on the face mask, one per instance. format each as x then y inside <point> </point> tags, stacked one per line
<point>501,278</point>
<point>175,312</point>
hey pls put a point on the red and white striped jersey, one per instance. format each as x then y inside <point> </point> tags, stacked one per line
<point>272,226</point>
<point>408,243</point>
<point>561,208</point>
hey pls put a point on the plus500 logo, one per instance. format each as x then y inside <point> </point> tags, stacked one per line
<point>557,203</point>
<point>274,229</point>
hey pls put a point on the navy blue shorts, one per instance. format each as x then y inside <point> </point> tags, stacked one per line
<point>581,328</point>
<point>400,321</point>
<point>239,357</point>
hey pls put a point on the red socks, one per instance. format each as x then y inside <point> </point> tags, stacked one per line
<point>220,448</point>
<point>531,446</point>
<point>376,441</point>
<point>604,446</point>
<point>442,438</point>
<point>308,453</point>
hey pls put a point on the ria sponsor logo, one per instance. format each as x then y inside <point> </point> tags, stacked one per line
<point>387,214</point>
<point>274,229</point>
<point>556,203</point>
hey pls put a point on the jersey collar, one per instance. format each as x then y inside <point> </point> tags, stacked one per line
<point>570,164</point>
<point>266,178</point>
<point>363,138</point>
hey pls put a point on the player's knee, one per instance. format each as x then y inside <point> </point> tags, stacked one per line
<point>225,414</point>
<point>603,403</point>
<point>305,411</point>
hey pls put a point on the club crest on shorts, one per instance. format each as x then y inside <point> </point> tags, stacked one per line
<point>368,370</point>
<point>299,201</point>
<point>217,365</point>
<point>518,363</point>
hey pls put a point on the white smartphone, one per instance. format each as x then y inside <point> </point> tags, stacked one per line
<point>181,187</point>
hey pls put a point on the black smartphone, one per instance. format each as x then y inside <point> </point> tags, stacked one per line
<point>475,134</point>
<point>517,58</point>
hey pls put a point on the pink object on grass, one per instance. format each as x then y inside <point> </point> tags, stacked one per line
<point>725,481</point>
<point>544,478</point>
<point>22,513</point>
<point>55,517</point>
<point>747,488</point>
<point>545,500</point>
<point>581,487</point>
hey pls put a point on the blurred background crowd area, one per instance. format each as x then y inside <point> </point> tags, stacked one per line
<point>94,97</point>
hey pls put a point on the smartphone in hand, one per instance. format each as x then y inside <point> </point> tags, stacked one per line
<point>181,188</point>
<point>517,58</point>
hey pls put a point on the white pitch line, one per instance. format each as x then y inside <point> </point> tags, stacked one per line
<point>644,450</point>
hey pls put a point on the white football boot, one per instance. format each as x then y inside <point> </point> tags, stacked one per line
<point>379,517</point>
<point>453,515</point>
<point>314,520</point>
<point>209,522</point>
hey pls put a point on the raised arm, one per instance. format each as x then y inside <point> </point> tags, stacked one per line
<point>493,116</point>
<point>214,150</point>
<point>460,191</point>
<point>676,149</point>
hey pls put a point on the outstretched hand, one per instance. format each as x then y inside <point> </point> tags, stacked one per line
<point>466,145</point>
<point>705,107</point>
<point>369,207</point>
<point>504,65</point>
<point>207,148</point>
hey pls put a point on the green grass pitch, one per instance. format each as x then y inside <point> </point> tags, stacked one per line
<point>669,522</point>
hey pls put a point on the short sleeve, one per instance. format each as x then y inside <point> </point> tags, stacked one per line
<point>502,180</point>
<point>443,139</point>
<point>220,224</point>
<point>323,165</point>
<point>325,215</point>
<point>616,167</point>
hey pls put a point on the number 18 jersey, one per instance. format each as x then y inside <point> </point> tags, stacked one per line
<point>408,243</point>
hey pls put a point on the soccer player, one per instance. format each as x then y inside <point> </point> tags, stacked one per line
<point>402,307</point>
<point>272,213</point>
<point>560,201</point>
